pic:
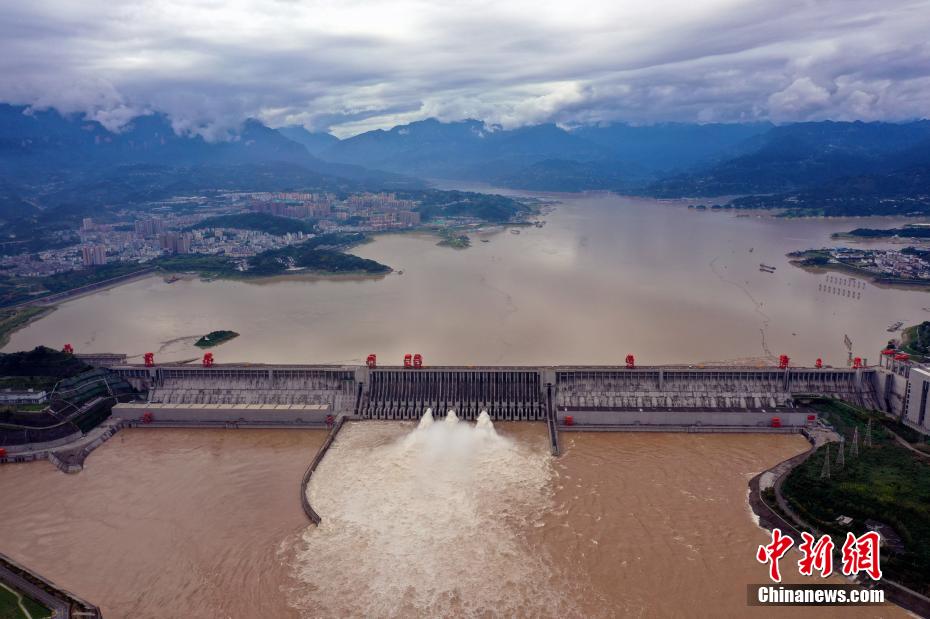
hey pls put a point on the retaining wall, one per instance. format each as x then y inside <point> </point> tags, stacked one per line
<point>162,414</point>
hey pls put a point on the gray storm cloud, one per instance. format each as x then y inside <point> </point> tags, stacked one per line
<point>349,66</point>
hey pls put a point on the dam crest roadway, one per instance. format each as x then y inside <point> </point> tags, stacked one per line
<point>643,396</point>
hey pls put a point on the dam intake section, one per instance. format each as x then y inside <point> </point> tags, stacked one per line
<point>279,395</point>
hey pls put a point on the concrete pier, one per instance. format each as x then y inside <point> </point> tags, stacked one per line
<point>305,482</point>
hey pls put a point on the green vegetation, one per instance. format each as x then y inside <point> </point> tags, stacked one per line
<point>20,383</point>
<point>207,265</point>
<point>29,408</point>
<point>64,414</point>
<point>11,320</point>
<point>61,282</point>
<point>94,417</point>
<point>10,606</point>
<point>821,259</point>
<point>15,290</point>
<point>321,254</point>
<point>886,482</point>
<point>903,192</point>
<point>811,258</point>
<point>455,241</point>
<point>910,232</point>
<point>488,207</point>
<point>40,367</point>
<point>261,222</point>
<point>215,338</point>
<point>915,340</point>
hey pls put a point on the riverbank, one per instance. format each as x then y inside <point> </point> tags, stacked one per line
<point>39,597</point>
<point>85,289</point>
<point>878,484</point>
<point>507,291</point>
<point>815,261</point>
<point>771,510</point>
<point>14,319</point>
<point>322,255</point>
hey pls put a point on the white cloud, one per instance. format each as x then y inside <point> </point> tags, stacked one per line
<point>354,65</point>
<point>798,100</point>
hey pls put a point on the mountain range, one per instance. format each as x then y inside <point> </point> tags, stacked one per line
<point>51,161</point>
<point>804,156</point>
<point>41,142</point>
<point>665,160</point>
<point>542,157</point>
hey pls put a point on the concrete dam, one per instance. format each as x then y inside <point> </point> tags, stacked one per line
<point>594,395</point>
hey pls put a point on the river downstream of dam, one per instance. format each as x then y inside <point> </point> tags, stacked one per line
<point>466,521</point>
<point>605,276</point>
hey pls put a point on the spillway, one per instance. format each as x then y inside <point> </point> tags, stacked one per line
<point>429,520</point>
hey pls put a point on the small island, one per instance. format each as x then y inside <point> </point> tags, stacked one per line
<point>455,241</point>
<point>911,231</point>
<point>215,338</point>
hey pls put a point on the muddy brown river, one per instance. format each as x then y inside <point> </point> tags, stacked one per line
<point>461,521</point>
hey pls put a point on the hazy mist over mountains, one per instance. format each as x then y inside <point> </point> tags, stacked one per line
<point>666,159</point>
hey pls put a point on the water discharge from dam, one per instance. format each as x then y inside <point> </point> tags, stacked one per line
<point>447,519</point>
<point>429,523</point>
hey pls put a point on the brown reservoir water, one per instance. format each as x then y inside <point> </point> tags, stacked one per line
<point>605,276</point>
<point>180,523</point>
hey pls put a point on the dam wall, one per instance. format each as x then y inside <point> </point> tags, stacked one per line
<point>601,394</point>
<point>710,419</point>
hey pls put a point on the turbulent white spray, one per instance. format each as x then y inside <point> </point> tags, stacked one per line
<point>426,420</point>
<point>430,523</point>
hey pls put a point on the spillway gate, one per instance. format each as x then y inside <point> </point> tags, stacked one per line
<point>507,394</point>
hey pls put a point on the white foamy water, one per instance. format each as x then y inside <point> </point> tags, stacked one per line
<point>428,521</point>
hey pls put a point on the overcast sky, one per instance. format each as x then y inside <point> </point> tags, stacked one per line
<point>348,66</point>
